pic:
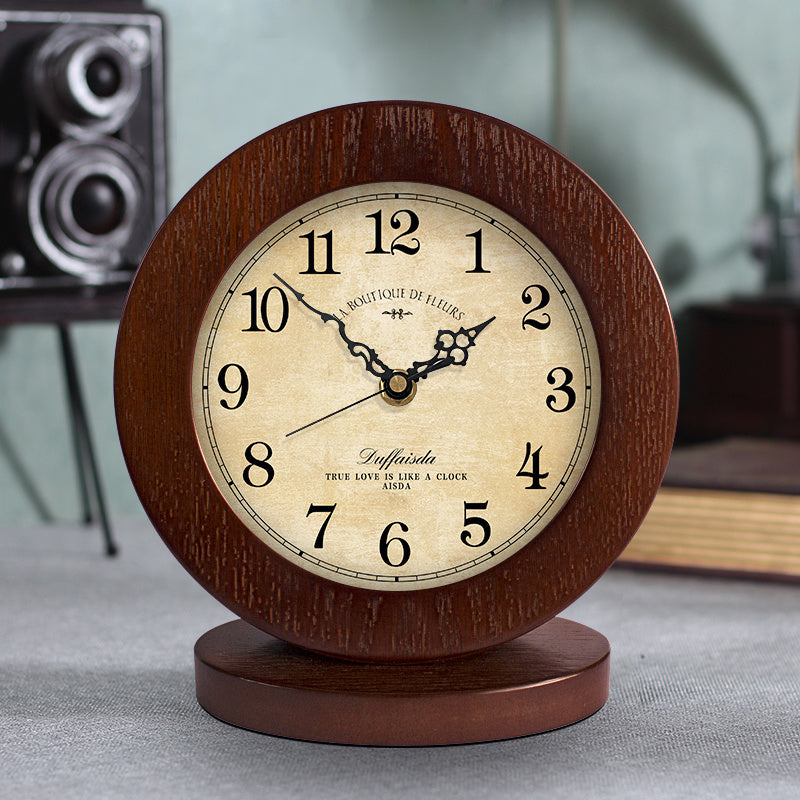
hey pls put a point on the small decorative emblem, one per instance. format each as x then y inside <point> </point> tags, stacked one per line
<point>399,313</point>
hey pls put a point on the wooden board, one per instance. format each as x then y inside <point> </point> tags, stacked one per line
<point>554,676</point>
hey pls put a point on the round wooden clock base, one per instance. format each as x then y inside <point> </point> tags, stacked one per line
<point>554,676</point>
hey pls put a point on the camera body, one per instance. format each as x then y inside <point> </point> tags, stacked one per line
<point>82,142</point>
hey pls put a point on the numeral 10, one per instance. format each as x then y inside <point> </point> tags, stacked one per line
<point>263,313</point>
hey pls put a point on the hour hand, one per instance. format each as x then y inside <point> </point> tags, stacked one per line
<point>371,360</point>
<point>451,348</point>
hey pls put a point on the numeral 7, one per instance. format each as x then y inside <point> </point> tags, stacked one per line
<point>315,509</point>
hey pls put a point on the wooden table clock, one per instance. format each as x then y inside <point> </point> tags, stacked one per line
<point>396,383</point>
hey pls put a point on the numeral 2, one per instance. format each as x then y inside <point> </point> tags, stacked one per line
<point>530,320</point>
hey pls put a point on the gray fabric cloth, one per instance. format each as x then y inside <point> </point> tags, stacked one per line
<point>97,694</point>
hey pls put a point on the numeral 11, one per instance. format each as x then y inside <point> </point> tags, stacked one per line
<point>327,238</point>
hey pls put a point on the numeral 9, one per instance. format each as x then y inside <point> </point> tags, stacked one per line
<point>241,387</point>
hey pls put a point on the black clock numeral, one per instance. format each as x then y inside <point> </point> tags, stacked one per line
<point>265,314</point>
<point>258,472</point>
<point>552,401</point>
<point>543,298</point>
<point>466,535</point>
<point>241,387</point>
<point>397,220</point>
<point>386,541</point>
<point>478,237</point>
<point>327,238</point>
<point>315,509</point>
<point>534,473</point>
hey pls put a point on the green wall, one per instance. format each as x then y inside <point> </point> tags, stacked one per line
<point>678,110</point>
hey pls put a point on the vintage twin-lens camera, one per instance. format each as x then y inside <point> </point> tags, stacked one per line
<point>82,150</point>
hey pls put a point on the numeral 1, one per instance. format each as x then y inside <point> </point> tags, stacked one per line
<point>328,239</point>
<point>478,237</point>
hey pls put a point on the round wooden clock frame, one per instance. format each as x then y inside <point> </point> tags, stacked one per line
<point>406,688</point>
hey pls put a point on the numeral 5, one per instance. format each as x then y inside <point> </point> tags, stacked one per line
<point>466,535</point>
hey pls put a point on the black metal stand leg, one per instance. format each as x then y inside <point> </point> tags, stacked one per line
<point>88,474</point>
<point>77,434</point>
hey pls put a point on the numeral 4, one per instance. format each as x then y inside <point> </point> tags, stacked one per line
<point>532,458</point>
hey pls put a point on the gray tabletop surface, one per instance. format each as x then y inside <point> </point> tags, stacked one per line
<point>97,693</point>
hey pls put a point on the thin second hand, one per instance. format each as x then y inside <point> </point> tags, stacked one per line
<point>333,413</point>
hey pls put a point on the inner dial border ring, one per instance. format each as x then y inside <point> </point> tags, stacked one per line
<point>591,399</point>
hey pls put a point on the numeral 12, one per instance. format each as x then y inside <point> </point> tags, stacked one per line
<point>396,221</point>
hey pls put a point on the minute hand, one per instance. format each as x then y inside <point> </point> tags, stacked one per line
<point>371,360</point>
<point>451,348</point>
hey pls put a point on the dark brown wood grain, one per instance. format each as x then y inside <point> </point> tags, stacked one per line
<point>433,144</point>
<point>554,676</point>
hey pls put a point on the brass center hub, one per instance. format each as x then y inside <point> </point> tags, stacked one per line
<point>399,389</point>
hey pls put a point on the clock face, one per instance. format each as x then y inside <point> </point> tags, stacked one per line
<point>396,386</point>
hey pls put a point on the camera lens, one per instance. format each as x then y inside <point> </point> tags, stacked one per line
<point>103,76</point>
<point>98,204</point>
<point>86,79</point>
<point>84,206</point>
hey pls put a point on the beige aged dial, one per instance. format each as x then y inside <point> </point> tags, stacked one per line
<point>396,386</point>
